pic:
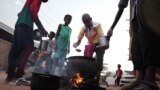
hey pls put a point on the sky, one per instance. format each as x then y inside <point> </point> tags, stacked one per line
<point>52,13</point>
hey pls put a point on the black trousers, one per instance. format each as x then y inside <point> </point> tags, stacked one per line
<point>21,48</point>
<point>99,60</point>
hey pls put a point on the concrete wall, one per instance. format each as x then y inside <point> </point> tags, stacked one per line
<point>4,50</point>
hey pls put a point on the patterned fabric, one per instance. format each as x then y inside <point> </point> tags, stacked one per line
<point>93,34</point>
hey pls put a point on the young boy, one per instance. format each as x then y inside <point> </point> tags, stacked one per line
<point>50,50</point>
<point>118,75</point>
<point>46,55</point>
<point>62,41</point>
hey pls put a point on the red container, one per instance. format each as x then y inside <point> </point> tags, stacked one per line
<point>89,50</point>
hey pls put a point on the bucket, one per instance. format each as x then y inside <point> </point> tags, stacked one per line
<point>44,45</point>
<point>104,42</point>
<point>37,35</point>
<point>89,50</point>
<point>44,82</point>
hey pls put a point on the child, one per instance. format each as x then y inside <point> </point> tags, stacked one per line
<point>62,41</point>
<point>46,55</point>
<point>118,75</point>
<point>50,50</point>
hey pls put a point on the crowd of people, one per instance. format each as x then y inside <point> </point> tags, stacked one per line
<point>144,45</point>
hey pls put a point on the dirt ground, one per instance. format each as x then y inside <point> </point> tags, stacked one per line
<point>4,86</point>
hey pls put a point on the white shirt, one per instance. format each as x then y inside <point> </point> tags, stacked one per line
<point>51,46</point>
